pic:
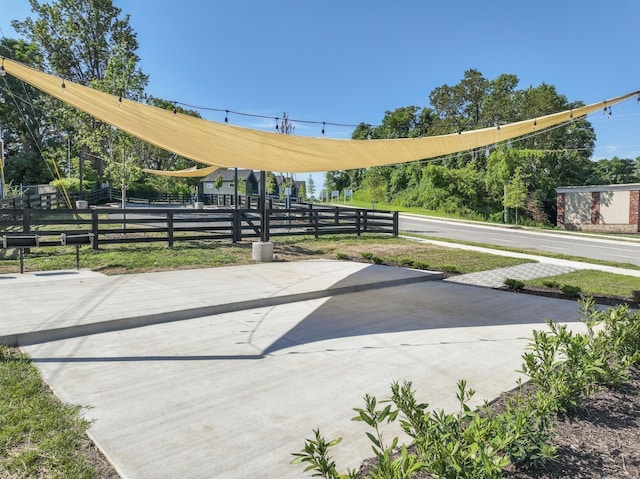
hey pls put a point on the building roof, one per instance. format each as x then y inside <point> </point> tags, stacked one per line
<point>597,188</point>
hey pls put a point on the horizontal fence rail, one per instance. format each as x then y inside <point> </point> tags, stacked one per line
<point>110,225</point>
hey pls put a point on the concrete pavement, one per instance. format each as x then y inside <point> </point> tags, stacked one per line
<point>222,372</point>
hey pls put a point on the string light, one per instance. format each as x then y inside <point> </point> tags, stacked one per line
<point>63,85</point>
<point>2,70</point>
<point>226,116</point>
<point>323,128</point>
<point>175,108</point>
<point>535,123</point>
<point>277,123</point>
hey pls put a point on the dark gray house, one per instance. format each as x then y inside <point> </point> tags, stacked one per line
<point>246,178</point>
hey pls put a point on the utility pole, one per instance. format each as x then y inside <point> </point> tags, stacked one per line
<point>2,192</point>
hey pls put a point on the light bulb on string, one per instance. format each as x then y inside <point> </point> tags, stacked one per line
<point>226,116</point>
<point>175,108</point>
<point>323,128</point>
<point>63,85</point>
<point>2,70</point>
<point>277,129</point>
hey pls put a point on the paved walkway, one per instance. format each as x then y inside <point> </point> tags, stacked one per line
<point>222,372</point>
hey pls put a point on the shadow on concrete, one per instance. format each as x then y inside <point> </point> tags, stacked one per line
<point>419,307</point>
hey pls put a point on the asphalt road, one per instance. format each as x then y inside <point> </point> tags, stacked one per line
<point>587,247</point>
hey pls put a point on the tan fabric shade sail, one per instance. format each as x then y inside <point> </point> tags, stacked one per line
<point>188,173</point>
<point>229,146</point>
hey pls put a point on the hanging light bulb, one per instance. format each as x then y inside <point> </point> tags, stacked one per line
<point>535,123</point>
<point>63,85</point>
<point>226,116</point>
<point>609,113</point>
<point>175,108</point>
<point>323,128</point>
<point>2,71</point>
<point>277,129</point>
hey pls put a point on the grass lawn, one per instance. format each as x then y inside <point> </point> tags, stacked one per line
<point>39,436</point>
<point>593,282</point>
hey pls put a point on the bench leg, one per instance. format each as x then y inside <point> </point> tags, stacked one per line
<point>21,260</point>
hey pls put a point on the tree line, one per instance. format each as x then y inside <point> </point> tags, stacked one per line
<point>91,43</point>
<point>500,181</point>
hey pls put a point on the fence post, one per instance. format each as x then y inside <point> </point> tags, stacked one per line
<point>358,216</point>
<point>94,228</point>
<point>315,224</point>
<point>396,226</point>
<point>170,228</point>
<point>337,213</point>
<point>26,220</point>
<point>365,217</point>
<point>235,223</point>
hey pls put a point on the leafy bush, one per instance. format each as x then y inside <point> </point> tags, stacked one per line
<point>529,420</point>
<point>514,284</point>
<point>570,290</point>
<point>342,256</point>
<point>550,283</point>
<point>448,268</point>
<point>570,366</point>
<point>377,260</point>
<point>406,262</point>
<point>420,265</point>
<point>366,255</point>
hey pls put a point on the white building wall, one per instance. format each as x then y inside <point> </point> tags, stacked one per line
<point>614,207</point>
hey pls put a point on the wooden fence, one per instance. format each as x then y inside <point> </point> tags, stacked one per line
<point>114,225</point>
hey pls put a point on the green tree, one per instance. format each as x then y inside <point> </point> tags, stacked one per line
<point>374,186</point>
<point>25,122</point>
<point>217,183</point>
<point>615,171</point>
<point>271,183</point>
<point>515,192</point>
<point>89,42</point>
<point>311,187</point>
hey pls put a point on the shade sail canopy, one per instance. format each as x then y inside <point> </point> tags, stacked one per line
<point>188,173</point>
<point>229,146</point>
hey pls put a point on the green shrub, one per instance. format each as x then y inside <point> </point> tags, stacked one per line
<point>514,284</point>
<point>550,283</point>
<point>635,294</point>
<point>406,262</point>
<point>449,268</point>
<point>366,255</point>
<point>420,265</point>
<point>529,420</point>
<point>342,256</point>
<point>570,290</point>
<point>377,260</point>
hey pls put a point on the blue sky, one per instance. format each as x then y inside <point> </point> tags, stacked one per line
<point>349,61</point>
